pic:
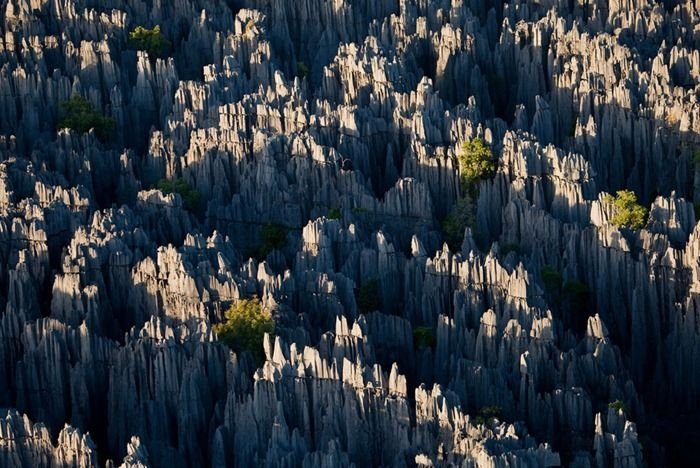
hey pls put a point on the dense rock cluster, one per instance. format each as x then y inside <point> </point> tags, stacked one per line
<point>341,121</point>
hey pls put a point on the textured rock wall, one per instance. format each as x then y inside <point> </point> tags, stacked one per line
<point>111,287</point>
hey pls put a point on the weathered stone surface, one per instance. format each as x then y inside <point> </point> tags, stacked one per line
<point>341,122</point>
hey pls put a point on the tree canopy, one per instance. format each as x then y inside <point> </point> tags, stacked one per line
<point>191,198</point>
<point>152,41</point>
<point>476,162</point>
<point>246,322</point>
<point>627,213</point>
<point>78,114</point>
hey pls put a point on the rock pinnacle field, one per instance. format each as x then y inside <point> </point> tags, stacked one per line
<point>349,233</point>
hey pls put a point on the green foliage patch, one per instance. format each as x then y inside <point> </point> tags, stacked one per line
<point>506,248</point>
<point>302,70</point>
<point>552,279</point>
<point>488,415</point>
<point>153,41</point>
<point>272,237</point>
<point>79,115</point>
<point>476,161</point>
<point>618,405</point>
<point>424,337</point>
<point>627,213</point>
<point>334,213</point>
<point>367,296</point>
<point>191,198</point>
<point>246,322</point>
<point>460,217</point>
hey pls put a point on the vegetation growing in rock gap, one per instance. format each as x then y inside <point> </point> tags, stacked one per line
<point>368,297</point>
<point>572,300</point>
<point>458,219</point>
<point>79,115</point>
<point>245,324</point>
<point>153,41</point>
<point>552,280</point>
<point>273,236</point>
<point>302,70</point>
<point>488,415</point>
<point>334,213</point>
<point>618,405</point>
<point>424,337</point>
<point>191,198</point>
<point>476,162</point>
<point>508,247</point>
<point>627,213</point>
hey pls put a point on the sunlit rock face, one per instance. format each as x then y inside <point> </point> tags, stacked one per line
<point>307,153</point>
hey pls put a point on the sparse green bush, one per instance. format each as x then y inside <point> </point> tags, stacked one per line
<point>334,213</point>
<point>272,237</point>
<point>152,41</point>
<point>246,322</point>
<point>505,249</point>
<point>618,405</point>
<point>424,337</point>
<point>460,217</point>
<point>476,162</point>
<point>576,305</point>
<point>627,213</point>
<point>488,414</point>
<point>577,293</point>
<point>79,115</point>
<point>302,70</point>
<point>191,198</point>
<point>552,279</point>
<point>367,296</point>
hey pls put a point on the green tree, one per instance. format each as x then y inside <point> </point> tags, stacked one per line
<point>367,296</point>
<point>272,237</point>
<point>302,70</point>
<point>191,198</point>
<point>246,322</point>
<point>627,212</point>
<point>506,248</point>
<point>78,114</point>
<point>334,213</point>
<point>424,337</point>
<point>476,161</point>
<point>152,41</point>
<point>488,415</point>
<point>552,280</point>
<point>460,217</point>
<point>618,405</point>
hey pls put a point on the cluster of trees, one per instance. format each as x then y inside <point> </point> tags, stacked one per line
<point>80,115</point>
